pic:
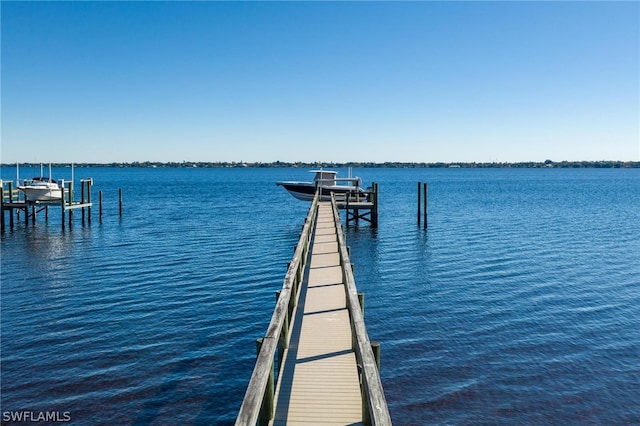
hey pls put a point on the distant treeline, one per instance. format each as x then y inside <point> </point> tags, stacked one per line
<point>356,164</point>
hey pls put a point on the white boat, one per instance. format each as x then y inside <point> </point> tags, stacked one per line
<point>41,189</point>
<point>328,183</point>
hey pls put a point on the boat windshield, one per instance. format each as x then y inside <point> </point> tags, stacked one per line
<point>325,176</point>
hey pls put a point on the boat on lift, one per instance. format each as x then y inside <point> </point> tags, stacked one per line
<point>42,189</point>
<point>328,183</point>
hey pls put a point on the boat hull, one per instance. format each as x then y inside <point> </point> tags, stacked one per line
<point>41,193</point>
<point>305,191</point>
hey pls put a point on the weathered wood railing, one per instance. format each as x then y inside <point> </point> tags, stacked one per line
<point>258,403</point>
<point>374,404</point>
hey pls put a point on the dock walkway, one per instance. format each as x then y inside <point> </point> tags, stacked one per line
<point>316,365</point>
<point>319,383</point>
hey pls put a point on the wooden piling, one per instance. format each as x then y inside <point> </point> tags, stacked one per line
<point>120,200</point>
<point>100,205</point>
<point>419,188</point>
<point>267,407</point>
<point>282,341</point>
<point>82,200</point>
<point>422,203</point>
<point>11,210</point>
<point>1,208</point>
<point>62,212</point>
<point>375,204</point>
<point>31,208</point>
<point>362,208</point>
<point>425,198</point>
<point>11,201</point>
<point>70,204</point>
<point>366,415</point>
<point>89,185</point>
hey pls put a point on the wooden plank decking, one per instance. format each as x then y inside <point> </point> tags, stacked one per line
<point>319,382</point>
<point>316,342</point>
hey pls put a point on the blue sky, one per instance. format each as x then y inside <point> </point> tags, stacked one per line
<point>320,81</point>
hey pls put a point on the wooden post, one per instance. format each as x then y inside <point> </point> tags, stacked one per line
<point>375,347</point>
<point>63,206</point>
<point>89,184</point>
<point>361,300</point>
<point>82,200</point>
<point>419,185</point>
<point>70,204</point>
<point>120,200</point>
<point>2,207</point>
<point>282,340</point>
<point>366,416</point>
<point>375,204</point>
<point>347,207</point>
<point>266,410</point>
<point>100,205</point>
<point>294,284</point>
<point>11,201</point>
<point>425,205</point>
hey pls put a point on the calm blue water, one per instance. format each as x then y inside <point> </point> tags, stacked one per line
<point>519,305</point>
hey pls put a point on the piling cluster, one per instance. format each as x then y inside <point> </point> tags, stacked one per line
<point>13,202</point>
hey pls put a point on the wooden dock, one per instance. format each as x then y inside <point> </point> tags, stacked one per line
<point>358,209</point>
<point>13,202</point>
<point>327,372</point>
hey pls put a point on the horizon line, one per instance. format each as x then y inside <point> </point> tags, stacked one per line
<point>283,164</point>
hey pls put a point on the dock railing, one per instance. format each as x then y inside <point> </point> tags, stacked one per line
<point>374,404</point>
<point>258,403</point>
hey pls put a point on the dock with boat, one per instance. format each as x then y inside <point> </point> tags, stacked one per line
<point>359,204</point>
<point>29,197</point>
<point>316,364</point>
<point>16,202</point>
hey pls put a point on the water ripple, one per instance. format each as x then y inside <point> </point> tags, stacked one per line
<point>519,304</point>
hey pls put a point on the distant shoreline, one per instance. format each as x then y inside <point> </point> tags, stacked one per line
<point>355,164</point>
